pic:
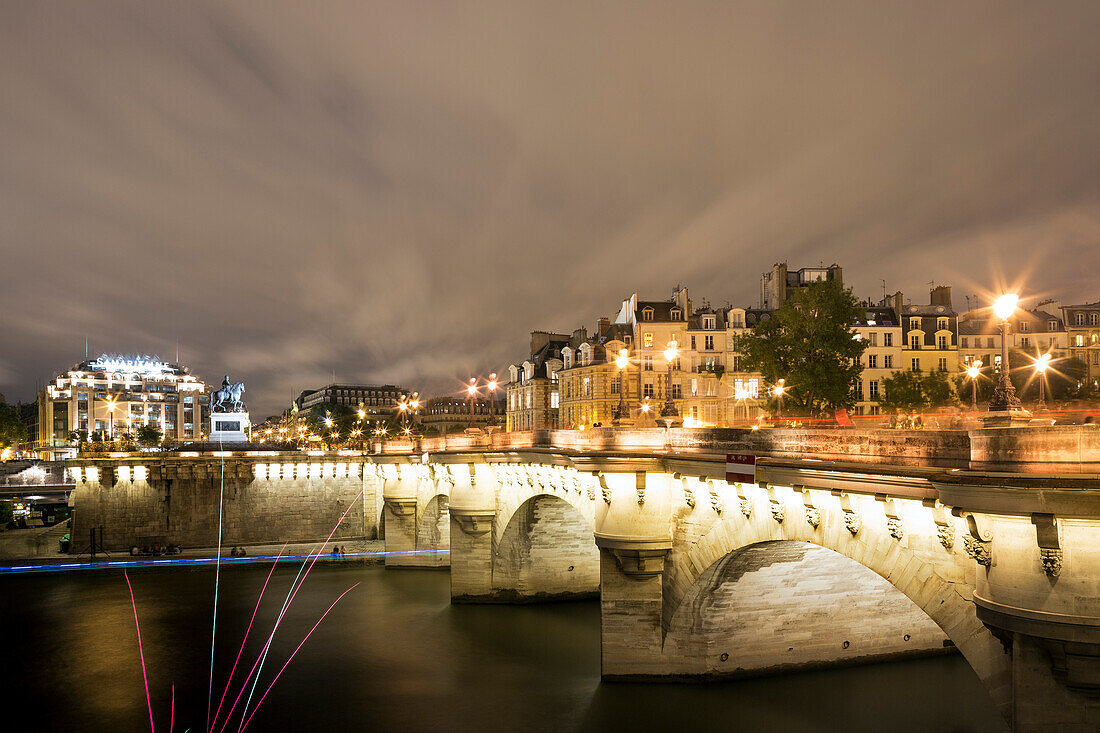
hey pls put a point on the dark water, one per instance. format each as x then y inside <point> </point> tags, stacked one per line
<point>394,655</point>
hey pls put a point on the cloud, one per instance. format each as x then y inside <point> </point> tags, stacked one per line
<point>400,191</point>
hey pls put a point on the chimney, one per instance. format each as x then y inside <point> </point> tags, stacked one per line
<point>539,339</point>
<point>940,295</point>
<point>603,323</point>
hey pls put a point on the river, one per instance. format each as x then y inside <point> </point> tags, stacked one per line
<point>395,655</point>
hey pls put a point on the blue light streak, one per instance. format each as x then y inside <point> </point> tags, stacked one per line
<point>193,561</point>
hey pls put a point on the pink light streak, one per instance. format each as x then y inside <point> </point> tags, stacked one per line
<point>141,654</point>
<point>304,640</point>
<point>245,639</point>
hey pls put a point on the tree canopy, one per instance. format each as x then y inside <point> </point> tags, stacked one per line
<point>916,391</point>
<point>12,429</point>
<point>809,343</point>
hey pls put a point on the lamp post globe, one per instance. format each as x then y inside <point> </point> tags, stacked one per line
<point>621,361</point>
<point>1004,396</point>
<point>1041,366</point>
<point>668,411</point>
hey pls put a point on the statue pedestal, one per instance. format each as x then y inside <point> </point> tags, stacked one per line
<point>1006,419</point>
<point>228,427</point>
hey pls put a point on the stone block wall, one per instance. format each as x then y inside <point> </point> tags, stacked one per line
<point>184,510</point>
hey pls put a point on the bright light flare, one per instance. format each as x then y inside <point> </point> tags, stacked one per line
<point>1005,305</point>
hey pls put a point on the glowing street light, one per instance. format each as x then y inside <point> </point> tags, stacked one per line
<point>491,386</point>
<point>1041,366</point>
<point>471,391</point>
<point>1004,396</point>
<point>621,361</point>
<point>973,371</point>
<point>778,391</point>
<point>668,411</point>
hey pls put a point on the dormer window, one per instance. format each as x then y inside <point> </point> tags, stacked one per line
<point>941,324</point>
<point>708,323</point>
<point>914,324</point>
<point>675,314</point>
<point>1025,327</point>
<point>647,314</point>
<point>1052,325</point>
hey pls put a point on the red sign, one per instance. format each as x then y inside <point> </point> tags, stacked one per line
<point>741,468</point>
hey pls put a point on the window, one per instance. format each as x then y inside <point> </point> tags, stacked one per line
<point>859,390</point>
<point>616,385</point>
<point>1094,319</point>
<point>1052,325</point>
<point>677,391</point>
<point>647,389</point>
<point>941,324</point>
<point>915,366</point>
<point>872,361</point>
<point>965,342</point>
<point>943,364</point>
<point>989,343</point>
<point>873,389</point>
<point>1025,327</point>
<point>887,339</point>
<point>708,323</point>
<point>873,338</point>
<point>1079,340</point>
<point>647,363</point>
<point>647,340</point>
<point>941,343</point>
<point>1079,319</point>
<point>1025,342</point>
<point>914,342</point>
<point>708,343</point>
<point>554,400</point>
<point>914,324</point>
<point>647,314</point>
<point>587,389</point>
<point>693,342</point>
<point>675,314</point>
<point>888,361</point>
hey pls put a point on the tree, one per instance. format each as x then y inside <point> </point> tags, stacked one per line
<point>12,429</point>
<point>916,391</point>
<point>148,436</point>
<point>809,343</point>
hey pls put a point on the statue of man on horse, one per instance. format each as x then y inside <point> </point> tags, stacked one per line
<point>228,398</point>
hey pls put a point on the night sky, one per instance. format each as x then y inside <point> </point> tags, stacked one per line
<point>401,191</point>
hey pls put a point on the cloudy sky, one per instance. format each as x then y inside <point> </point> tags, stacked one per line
<point>401,191</point>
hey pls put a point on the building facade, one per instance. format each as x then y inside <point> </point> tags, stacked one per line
<point>115,394</point>
<point>880,329</point>
<point>532,391</point>
<point>453,414</point>
<point>376,400</point>
<point>1082,324</point>
<point>929,333</point>
<point>777,286</point>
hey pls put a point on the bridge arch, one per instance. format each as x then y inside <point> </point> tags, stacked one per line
<point>936,579</point>
<point>545,551</point>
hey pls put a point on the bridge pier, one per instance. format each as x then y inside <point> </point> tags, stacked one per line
<point>417,526</point>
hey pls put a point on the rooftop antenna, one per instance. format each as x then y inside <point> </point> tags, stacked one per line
<point>883,289</point>
<point>177,351</point>
<point>85,346</point>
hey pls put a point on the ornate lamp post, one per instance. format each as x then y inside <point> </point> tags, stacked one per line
<point>1041,366</point>
<point>1004,396</point>
<point>492,389</point>
<point>974,371</point>
<point>621,361</point>
<point>414,403</point>
<point>111,412</point>
<point>471,391</point>
<point>778,391</point>
<point>668,411</point>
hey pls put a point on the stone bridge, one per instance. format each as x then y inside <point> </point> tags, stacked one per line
<point>847,547</point>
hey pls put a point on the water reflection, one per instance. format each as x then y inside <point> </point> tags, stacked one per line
<point>395,655</point>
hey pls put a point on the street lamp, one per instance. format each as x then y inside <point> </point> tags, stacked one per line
<point>111,411</point>
<point>1041,366</point>
<point>471,391</point>
<point>492,388</point>
<point>973,371</point>
<point>1004,396</point>
<point>778,391</point>
<point>669,408</point>
<point>621,361</point>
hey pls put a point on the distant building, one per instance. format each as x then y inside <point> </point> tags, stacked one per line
<point>929,333</point>
<point>777,286</point>
<point>532,390</point>
<point>377,400</point>
<point>453,414</point>
<point>879,328</point>
<point>113,394</point>
<point>1083,329</point>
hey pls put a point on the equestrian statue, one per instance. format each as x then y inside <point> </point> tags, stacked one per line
<point>228,398</point>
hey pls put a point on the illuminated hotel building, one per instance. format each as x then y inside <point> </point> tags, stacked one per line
<point>117,394</point>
